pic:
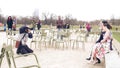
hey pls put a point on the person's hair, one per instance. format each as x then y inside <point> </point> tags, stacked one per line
<point>9,18</point>
<point>105,23</point>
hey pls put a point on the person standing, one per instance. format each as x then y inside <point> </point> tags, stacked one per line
<point>59,23</point>
<point>80,26</point>
<point>4,27</point>
<point>14,24</point>
<point>88,27</point>
<point>33,25</point>
<point>9,24</point>
<point>39,25</point>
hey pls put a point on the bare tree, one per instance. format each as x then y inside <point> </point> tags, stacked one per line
<point>67,19</point>
<point>45,15</point>
<point>53,19</point>
<point>112,20</point>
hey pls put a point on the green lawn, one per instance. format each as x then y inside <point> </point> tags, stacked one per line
<point>116,35</point>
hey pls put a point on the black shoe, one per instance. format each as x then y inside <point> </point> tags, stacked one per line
<point>88,58</point>
<point>18,53</point>
<point>98,60</point>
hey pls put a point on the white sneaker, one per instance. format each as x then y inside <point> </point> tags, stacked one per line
<point>95,62</point>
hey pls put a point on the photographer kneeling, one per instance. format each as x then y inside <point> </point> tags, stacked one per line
<point>23,37</point>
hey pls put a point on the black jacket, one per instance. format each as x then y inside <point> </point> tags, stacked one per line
<point>10,23</point>
<point>101,37</point>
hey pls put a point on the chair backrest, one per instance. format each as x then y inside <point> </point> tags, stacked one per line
<point>43,33</point>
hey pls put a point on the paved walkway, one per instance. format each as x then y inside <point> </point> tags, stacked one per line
<point>51,58</point>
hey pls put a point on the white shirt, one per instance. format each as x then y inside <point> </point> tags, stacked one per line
<point>24,40</point>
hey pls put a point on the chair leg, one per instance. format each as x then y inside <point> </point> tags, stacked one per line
<point>83,46</point>
<point>13,43</point>
<point>67,45</point>
<point>2,56</point>
<point>73,45</point>
<point>14,62</point>
<point>39,45</point>
<point>63,46</point>
<point>77,44</point>
<point>52,43</point>
<point>9,62</point>
<point>45,45</point>
<point>35,45</point>
<point>56,44</point>
<point>70,43</point>
<point>49,43</point>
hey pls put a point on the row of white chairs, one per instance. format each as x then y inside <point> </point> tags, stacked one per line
<point>55,38</point>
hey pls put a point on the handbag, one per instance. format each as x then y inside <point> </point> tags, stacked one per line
<point>18,42</point>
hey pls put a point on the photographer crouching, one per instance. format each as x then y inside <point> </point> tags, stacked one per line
<point>22,38</point>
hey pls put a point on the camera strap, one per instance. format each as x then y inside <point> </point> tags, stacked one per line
<point>23,36</point>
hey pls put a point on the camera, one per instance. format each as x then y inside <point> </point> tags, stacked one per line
<point>23,29</point>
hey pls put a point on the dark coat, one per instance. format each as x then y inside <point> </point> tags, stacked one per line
<point>101,37</point>
<point>59,23</point>
<point>10,23</point>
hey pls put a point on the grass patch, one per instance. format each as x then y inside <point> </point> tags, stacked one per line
<point>116,35</point>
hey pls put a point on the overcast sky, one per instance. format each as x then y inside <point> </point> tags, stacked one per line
<point>81,9</point>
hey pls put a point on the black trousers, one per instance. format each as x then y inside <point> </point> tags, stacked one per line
<point>24,49</point>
